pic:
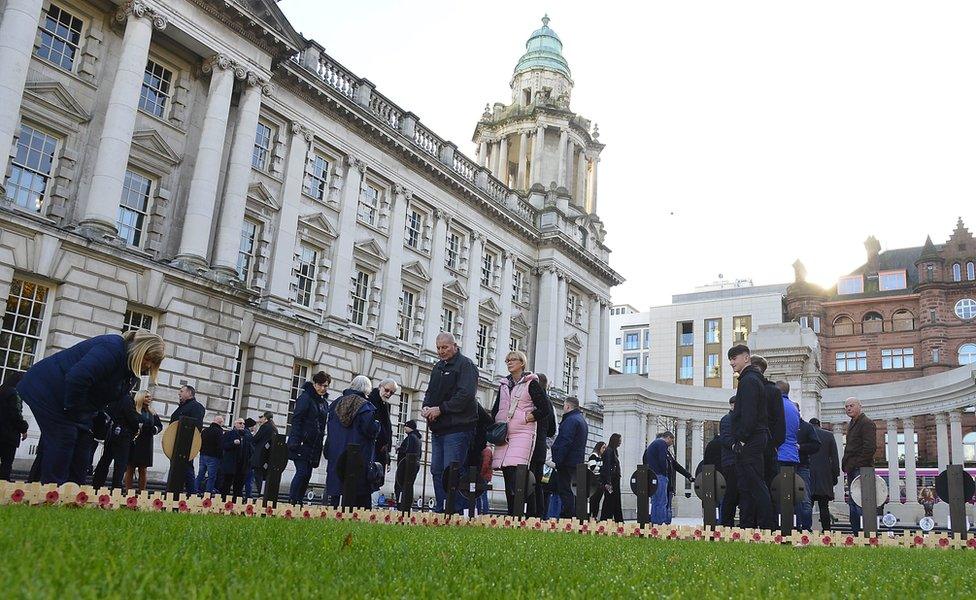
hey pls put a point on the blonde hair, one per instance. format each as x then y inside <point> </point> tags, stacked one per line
<point>519,355</point>
<point>140,399</point>
<point>142,345</point>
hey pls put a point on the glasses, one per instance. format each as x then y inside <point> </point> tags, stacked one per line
<point>508,360</point>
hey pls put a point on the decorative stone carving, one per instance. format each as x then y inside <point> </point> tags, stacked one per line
<point>141,10</point>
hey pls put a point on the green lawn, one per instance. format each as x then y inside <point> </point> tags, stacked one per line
<point>84,553</point>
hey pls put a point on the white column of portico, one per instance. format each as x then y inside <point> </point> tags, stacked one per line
<point>393,277</point>
<point>594,162</point>
<point>891,436</point>
<point>563,143</point>
<point>955,428</point>
<point>942,440</point>
<point>503,338</point>
<point>681,442</point>
<point>17,32</point>
<point>283,260</point>
<point>838,430</point>
<point>482,153</point>
<point>547,329</point>
<point>202,196</point>
<point>560,338</point>
<point>470,333</point>
<point>697,443</point>
<point>112,154</point>
<point>580,195</point>
<point>523,158</point>
<point>604,345</point>
<point>651,428</point>
<point>435,295</point>
<point>342,263</point>
<point>911,484</point>
<point>238,178</point>
<point>538,145</point>
<point>593,337</point>
<point>502,171</point>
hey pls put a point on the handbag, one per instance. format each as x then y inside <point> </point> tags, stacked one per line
<point>498,433</point>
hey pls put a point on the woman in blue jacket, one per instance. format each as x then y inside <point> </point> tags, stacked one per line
<point>66,389</point>
<point>305,438</point>
<point>352,420</point>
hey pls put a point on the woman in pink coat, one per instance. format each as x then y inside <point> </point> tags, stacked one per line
<point>519,397</point>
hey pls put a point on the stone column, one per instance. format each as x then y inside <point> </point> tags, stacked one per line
<point>697,443</point>
<point>523,159</point>
<point>18,28</point>
<point>594,162</point>
<point>483,153</point>
<point>560,333</point>
<point>891,436</point>
<point>538,145</point>
<point>604,346</point>
<point>438,275</point>
<point>911,483</point>
<point>393,277</point>
<point>580,195</point>
<point>593,337</point>
<point>502,172</point>
<point>942,440</point>
<point>285,242</point>
<point>652,429</point>
<point>342,263</point>
<point>563,143</point>
<point>839,441</point>
<point>680,446</point>
<point>470,334</point>
<point>504,334</point>
<point>547,328</point>
<point>112,153</point>
<point>955,428</point>
<point>238,179</point>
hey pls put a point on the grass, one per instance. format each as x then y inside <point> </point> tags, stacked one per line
<point>74,553</point>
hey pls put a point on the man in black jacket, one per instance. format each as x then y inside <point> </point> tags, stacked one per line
<point>380,399</point>
<point>731,500</point>
<point>569,450</point>
<point>125,423</point>
<point>410,445</point>
<point>262,449</point>
<point>451,409</point>
<point>189,407</point>
<point>13,427</point>
<point>750,432</point>
<point>775,419</point>
<point>210,454</point>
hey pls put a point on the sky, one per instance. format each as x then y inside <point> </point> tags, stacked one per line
<point>740,136</point>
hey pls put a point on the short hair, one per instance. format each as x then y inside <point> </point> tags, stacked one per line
<point>732,400</point>
<point>361,383</point>
<point>737,350</point>
<point>815,422</point>
<point>268,415</point>
<point>519,355</point>
<point>665,434</point>
<point>193,390</point>
<point>322,378</point>
<point>389,381</point>
<point>446,335</point>
<point>783,386</point>
<point>219,420</point>
<point>570,401</point>
<point>543,380</point>
<point>759,362</point>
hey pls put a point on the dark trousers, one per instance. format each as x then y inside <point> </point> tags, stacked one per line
<point>67,448</point>
<point>299,483</point>
<point>611,503</point>
<point>856,511</point>
<point>770,465</point>
<point>536,507</point>
<point>564,489</point>
<point>754,502</point>
<point>259,473</point>
<point>7,453</point>
<point>115,452</point>
<point>233,482</point>
<point>510,482</point>
<point>731,499</point>
<point>595,503</point>
<point>363,501</point>
<point>823,502</point>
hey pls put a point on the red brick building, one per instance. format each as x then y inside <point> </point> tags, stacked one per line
<point>905,313</point>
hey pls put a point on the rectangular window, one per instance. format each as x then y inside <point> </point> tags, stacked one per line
<point>156,86</point>
<point>369,203</point>
<point>518,282</point>
<point>415,225</point>
<point>686,372</point>
<point>631,364</point>
<point>897,358</point>
<point>687,333</point>
<point>892,280</point>
<point>60,37</point>
<point>481,346</point>
<point>632,341</point>
<point>134,319</point>
<point>134,209</point>
<point>360,298</point>
<point>618,341</point>
<point>262,147</point>
<point>487,269</point>
<point>853,284</point>
<point>317,180</point>
<point>406,315</point>
<point>31,168</point>
<point>245,254</point>
<point>713,366</point>
<point>308,260</point>
<point>569,373</point>
<point>647,338</point>
<point>741,326</point>
<point>21,334</point>
<point>453,250</point>
<point>515,344</point>
<point>572,307</point>
<point>447,320</point>
<point>299,375</point>
<point>713,331</point>
<point>852,361</point>
<point>236,385</point>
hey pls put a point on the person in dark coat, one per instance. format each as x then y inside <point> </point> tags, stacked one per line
<point>824,472</point>
<point>352,420</point>
<point>610,479</point>
<point>569,450</point>
<point>659,459</point>
<point>141,454</point>
<point>189,407</point>
<point>546,431</point>
<point>751,434</point>
<point>775,420</point>
<point>859,451</point>
<point>411,444</point>
<point>251,426</point>
<point>262,449</point>
<point>809,444</point>
<point>13,427</point>
<point>235,463</point>
<point>730,502</point>
<point>594,464</point>
<point>126,420</point>
<point>307,434</point>
<point>480,456</point>
<point>210,453</point>
<point>712,455</point>
<point>66,389</point>
<point>379,397</point>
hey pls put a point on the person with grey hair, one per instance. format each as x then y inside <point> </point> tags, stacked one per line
<point>380,399</point>
<point>352,421</point>
<point>569,450</point>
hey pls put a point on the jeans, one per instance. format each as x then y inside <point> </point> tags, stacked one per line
<point>207,478</point>
<point>856,511</point>
<point>660,507</point>
<point>804,513</point>
<point>67,447</point>
<point>754,501</point>
<point>555,508</point>
<point>446,449</point>
<point>299,483</point>
<point>249,483</point>
<point>564,490</point>
<point>189,479</point>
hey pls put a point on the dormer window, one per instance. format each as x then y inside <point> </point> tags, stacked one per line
<point>892,280</point>
<point>852,284</point>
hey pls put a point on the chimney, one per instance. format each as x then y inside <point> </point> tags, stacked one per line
<point>873,248</point>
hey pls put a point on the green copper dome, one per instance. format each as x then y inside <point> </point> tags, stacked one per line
<point>543,51</point>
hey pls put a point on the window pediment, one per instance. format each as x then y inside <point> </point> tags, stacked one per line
<point>150,151</point>
<point>489,306</point>
<point>455,290</point>
<point>416,273</point>
<point>316,227</point>
<point>262,194</point>
<point>52,96</point>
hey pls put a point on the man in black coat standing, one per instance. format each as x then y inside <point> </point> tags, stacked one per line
<point>307,435</point>
<point>410,445</point>
<point>730,501</point>
<point>569,450</point>
<point>13,427</point>
<point>262,449</point>
<point>750,432</point>
<point>210,453</point>
<point>379,397</point>
<point>189,407</point>
<point>775,420</point>
<point>237,444</point>
<point>824,472</point>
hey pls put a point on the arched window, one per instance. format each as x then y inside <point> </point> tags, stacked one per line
<point>971,271</point>
<point>902,320</point>
<point>969,447</point>
<point>957,272</point>
<point>967,354</point>
<point>843,325</point>
<point>873,323</point>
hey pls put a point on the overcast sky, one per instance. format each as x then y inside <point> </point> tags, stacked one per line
<point>740,135</point>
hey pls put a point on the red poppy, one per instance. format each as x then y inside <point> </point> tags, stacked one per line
<point>132,502</point>
<point>716,535</point>
<point>338,515</point>
<point>355,516</point>
<point>17,496</point>
<point>849,541</point>
<point>158,504</point>
<point>387,519</point>
<point>874,541</point>
<point>105,501</point>
<point>413,520</point>
<point>569,527</point>
<point>183,506</point>
<point>620,530</point>
<point>756,536</point>
<point>522,523</point>
<point>288,513</point>
<point>81,498</point>
<point>52,497</point>
<point>736,535</point>
<point>778,539</point>
<point>919,540</point>
<point>804,539</point>
<point>494,521</point>
<point>229,505</point>
<point>943,542</point>
<point>207,502</point>
<point>552,525</point>
<point>600,529</point>
<point>249,510</point>
<point>538,525</point>
<point>971,542</point>
<point>372,518</point>
<point>269,511</point>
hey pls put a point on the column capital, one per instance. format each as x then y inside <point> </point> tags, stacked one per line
<point>477,236</point>
<point>297,129</point>
<point>440,213</point>
<point>892,424</point>
<point>354,162</point>
<point>908,422</point>
<point>696,424</point>
<point>399,190</point>
<point>955,417</point>
<point>941,419</point>
<point>141,9</point>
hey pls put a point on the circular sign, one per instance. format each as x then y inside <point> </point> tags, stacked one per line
<point>431,503</point>
<point>926,524</point>
<point>799,490</point>
<point>719,487</point>
<point>942,486</point>
<point>169,440</point>
<point>471,490</point>
<point>310,495</point>
<point>880,490</point>
<point>651,482</point>
<point>592,483</point>
<point>889,520</point>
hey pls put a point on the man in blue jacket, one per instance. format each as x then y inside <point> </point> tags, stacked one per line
<point>569,450</point>
<point>658,458</point>
<point>189,407</point>
<point>750,433</point>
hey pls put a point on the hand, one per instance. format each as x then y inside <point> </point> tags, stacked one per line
<point>608,488</point>
<point>424,411</point>
<point>23,436</point>
<point>433,412</point>
<point>530,417</point>
<point>237,442</point>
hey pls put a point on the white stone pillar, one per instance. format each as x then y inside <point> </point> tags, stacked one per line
<point>593,185</point>
<point>470,333</point>
<point>18,28</point>
<point>942,440</point>
<point>560,333</point>
<point>112,153</point>
<point>891,435</point>
<point>504,334</point>
<point>285,242</point>
<point>697,443</point>
<point>238,178</point>
<point>502,172</point>
<point>955,428</point>
<point>538,145</point>
<point>604,346</point>
<point>580,195</point>
<point>547,328</point>
<point>393,277</point>
<point>438,276</point>
<point>523,159</point>
<point>911,483</point>
<point>483,153</point>
<point>563,143</point>
<point>593,336</point>
<point>342,263</point>
<point>838,430</point>
<point>680,447</point>
<point>652,428</point>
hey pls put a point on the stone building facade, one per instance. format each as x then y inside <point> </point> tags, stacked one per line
<point>199,169</point>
